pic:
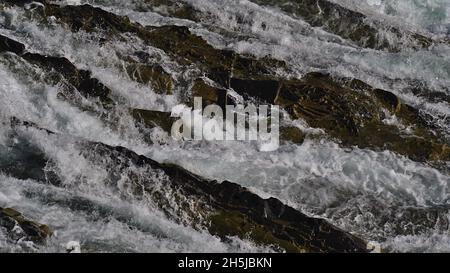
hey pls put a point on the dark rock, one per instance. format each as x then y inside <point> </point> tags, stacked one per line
<point>81,80</point>
<point>9,45</point>
<point>356,118</point>
<point>177,41</point>
<point>10,218</point>
<point>209,94</point>
<point>153,119</point>
<point>228,209</point>
<point>292,134</point>
<point>89,18</point>
<point>23,160</point>
<point>265,90</point>
<point>348,24</point>
<point>153,75</point>
<point>390,101</point>
<point>58,67</point>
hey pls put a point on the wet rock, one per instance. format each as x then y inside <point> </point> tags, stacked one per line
<point>10,219</point>
<point>246,67</point>
<point>209,93</point>
<point>7,44</point>
<point>356,118</point>
<point>292,134</point>
<point>392,219</point>
<point>152,119</point>
<point>59,69</point>
<point>21,159</point>
<point>188,48</point>
<point>153,75</point>
<point>228,209</point>
<point>349,24</point>
<point>89,18</point>
<point>389,100</point>
<point>81,80</point>
<point>178,41</point>
<point>264,90</point>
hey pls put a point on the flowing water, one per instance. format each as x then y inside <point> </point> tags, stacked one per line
<point>362,191</point>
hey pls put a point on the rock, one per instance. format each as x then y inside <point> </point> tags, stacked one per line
<point>7,44</point>
<point>389,100</point>
<point>10,218</point>
<point>356,118</point>
<point>350,24</point>
<point>152,119</point>
<point>22,160</point>
<point>81,80</point>
<point>89,18</point>
<point>247,67</point>
<point>73,247</point>
<point>60,68</point>
<point>209,94</point>
<point>265,90</point>
<point>185,47</point>
<point>227,209</point>
<point>153,75</point>
<point>292,134</point>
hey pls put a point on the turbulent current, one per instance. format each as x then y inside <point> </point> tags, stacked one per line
<point>378,194</point>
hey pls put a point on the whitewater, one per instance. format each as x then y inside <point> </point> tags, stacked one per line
<point>368,193</point>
